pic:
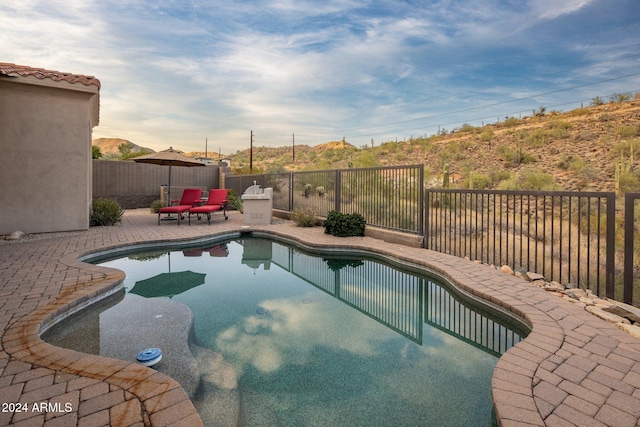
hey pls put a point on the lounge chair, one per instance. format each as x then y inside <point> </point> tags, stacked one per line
<point>190,198</point>
<point>217,201</point>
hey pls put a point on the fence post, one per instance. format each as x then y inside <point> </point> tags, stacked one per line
<point>629,214</point>
<point>426,213</point>
<point>611,245</point>
<point>338,189</point>
<point>421,202</point>
<point>290,191</point>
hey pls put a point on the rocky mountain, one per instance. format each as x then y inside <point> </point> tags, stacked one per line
<point>109,146</point>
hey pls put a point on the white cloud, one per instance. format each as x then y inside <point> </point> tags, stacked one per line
<point>188,70</point>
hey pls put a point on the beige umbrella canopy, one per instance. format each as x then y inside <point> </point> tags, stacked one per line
<point>169,158</point>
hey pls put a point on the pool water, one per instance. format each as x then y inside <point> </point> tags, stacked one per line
<point>325,340</point>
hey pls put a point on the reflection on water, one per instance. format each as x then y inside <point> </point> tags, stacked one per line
<point>395,298</point>
<point>328,340</point>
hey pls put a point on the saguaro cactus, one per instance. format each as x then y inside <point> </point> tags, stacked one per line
<point>445,176</point>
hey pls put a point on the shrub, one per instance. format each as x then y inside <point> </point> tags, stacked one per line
<point>628,182</point>
<point>156,205</point>
<point>511,121</point>
<point>304,217</point>
<point>478,181</point>
<point>512,157</point>
<point>234,201</point>
<point>535,138</point>
<point>344,225</point>
<point>535,180</point>
<point>620,97</point>
<point>486,136</point>
<point>529,180</point>
<point>105,212</point>
<point>627,131</point>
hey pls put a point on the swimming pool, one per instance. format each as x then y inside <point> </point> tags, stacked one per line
<point>325,338</point>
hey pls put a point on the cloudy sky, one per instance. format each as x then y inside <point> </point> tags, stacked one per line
<point>179,72</point>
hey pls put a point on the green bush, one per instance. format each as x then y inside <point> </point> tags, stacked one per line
<point>105,212</point>
<point>511,121</point>
<point>629,182</point>
<point>513,158</point>
<point>234,202</point>
<point>536,180</point>
<point>304,217</point>
<point>344,225</point>
<point>478,181</point>
<point>156,205</point>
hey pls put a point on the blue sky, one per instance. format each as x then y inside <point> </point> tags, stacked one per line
<point>179,72</point>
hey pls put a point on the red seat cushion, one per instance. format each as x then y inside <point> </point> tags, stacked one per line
<point>205,208</point>
<point>175,209</point>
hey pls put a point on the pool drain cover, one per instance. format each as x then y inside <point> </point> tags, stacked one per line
<point>150,357</point>
<point>262,310</point>
<point>307,300</point>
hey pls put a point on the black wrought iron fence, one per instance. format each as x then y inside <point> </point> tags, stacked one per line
<point>569,237</point>
<point>388,197</point>
<point>631,272</point>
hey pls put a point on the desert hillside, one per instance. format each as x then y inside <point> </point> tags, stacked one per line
<point>109,146</point>
<point>595,148</point>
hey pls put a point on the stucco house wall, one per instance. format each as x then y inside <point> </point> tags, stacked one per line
<point>46,121</point>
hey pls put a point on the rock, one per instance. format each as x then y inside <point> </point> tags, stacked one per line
<point>506,269</point>
<point>554,287</point>
<point>627,313</point>
<point>518,275</point>
<point>557,284</point>
<point>633,330</point>
<point>603,304</point>
<point>609,317</point>
<point>575,293</point>
<point>16,235</point>
<point>586,301</point>
<point>532,277</point>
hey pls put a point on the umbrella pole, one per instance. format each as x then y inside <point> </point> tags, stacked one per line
<point>169,190</point>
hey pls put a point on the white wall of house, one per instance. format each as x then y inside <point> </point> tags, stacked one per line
<point>45,166</point>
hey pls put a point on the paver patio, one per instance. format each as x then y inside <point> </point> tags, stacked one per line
<point>573,369</point>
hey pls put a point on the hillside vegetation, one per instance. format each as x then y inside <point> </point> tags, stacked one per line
<point>112,148</point>
<point>596,148</point>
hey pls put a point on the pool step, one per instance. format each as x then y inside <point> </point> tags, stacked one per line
<point>218,398</point>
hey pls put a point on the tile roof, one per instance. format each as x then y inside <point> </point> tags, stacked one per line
<point>13,70</point>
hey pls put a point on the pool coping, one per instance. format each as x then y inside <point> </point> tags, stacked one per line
<point>572,369</point>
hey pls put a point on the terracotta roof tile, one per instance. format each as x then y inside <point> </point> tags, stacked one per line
<point>13,70</point>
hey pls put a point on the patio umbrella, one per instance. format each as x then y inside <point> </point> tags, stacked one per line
<point>168,284</point>
<point>169,158</point>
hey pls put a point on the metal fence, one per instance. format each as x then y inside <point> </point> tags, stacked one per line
<point>564,236</point>
<point>388,197</point>
<point>573,238</point>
